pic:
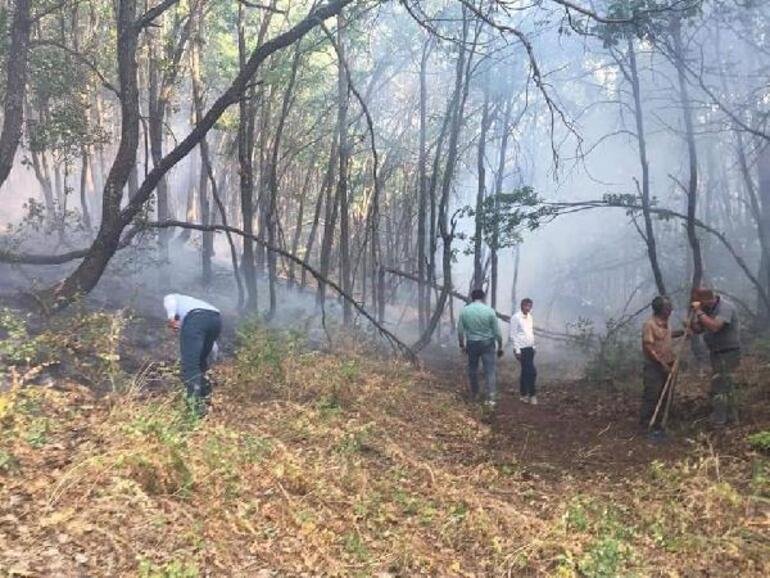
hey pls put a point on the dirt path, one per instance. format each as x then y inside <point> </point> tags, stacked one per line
<point>575,430</point>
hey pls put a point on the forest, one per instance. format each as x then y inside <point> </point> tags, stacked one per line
<point>329,184</point>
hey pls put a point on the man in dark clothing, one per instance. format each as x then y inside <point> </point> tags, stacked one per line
<point>717,319</point>
<point>199,325</point>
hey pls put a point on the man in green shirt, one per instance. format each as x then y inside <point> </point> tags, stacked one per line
<point>478,332</point>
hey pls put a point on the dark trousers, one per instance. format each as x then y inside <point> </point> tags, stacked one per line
<point>200,330</point>
<point>528,371</point>
<point>654,378</point>
<point>485,352</point>
<point>723,364</point>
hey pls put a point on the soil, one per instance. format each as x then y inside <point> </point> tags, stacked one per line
<point>586,431</point>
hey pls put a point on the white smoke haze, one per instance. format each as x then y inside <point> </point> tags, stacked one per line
<point>591,265</point>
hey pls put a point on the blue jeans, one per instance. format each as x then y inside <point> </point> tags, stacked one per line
<point>200,330</point>
<point>487,353</point>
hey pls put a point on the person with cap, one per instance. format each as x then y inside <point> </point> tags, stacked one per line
<point>717,319</point>
<point>199,325</point>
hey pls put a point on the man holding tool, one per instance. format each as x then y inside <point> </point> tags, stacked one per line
<point>478,332</point>
<point>717,319</point>
<point>659,357</point>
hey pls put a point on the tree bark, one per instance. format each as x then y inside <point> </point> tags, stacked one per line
<point>499,179</point>
<point>272,216</point>
<point>423,291</point>
<point>342,176</point>
<point>114,221</point>
<point>649,236</point>
<point>478,236</point>
<point>15,86</point>
<point>692,188</point>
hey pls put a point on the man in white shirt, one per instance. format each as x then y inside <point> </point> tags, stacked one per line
<point>199,325</point>
<point>522,337</point>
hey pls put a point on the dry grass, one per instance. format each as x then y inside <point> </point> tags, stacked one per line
<point>322,464</point>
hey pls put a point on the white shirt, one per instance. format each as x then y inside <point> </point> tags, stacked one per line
<point>522,331</point>
<point>178,305</point>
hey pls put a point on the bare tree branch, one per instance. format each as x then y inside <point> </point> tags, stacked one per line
<point>147,18</point>
<point>394,341</point>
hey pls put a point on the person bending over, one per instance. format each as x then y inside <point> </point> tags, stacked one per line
<point>199,325</point>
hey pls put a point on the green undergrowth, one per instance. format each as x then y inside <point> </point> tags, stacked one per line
<point>343,465</point>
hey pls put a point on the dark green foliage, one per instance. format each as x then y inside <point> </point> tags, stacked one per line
<point>508,214</point>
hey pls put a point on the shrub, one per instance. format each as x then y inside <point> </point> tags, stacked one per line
<point>760,441</point>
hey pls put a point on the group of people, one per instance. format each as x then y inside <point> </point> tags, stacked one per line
<point>716,319</point>
<point>711,315</point>
<point>199,325</point>
<point>481,339</point>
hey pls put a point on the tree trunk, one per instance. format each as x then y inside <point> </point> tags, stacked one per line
<point>272,216</point>
<point>478,236</point>
<point>83,189</point>
<point>108,240</point>
<point>246,173</point>
<point>423,290</point>
<point>649,236</point>
<point>15,86</point>
<point>692,187</point>
<point>456,109</point>
<point>763,166</point>
<point>90,270</point>
<point>300,223</point>
<point>324,194</point>
<point>343,91</point>
<point>207,237</point>
<point>499,179</point>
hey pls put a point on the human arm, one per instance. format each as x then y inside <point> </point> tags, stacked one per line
<point>706,322</point>
<point>172,316</point>
<point>515,335</point>
<point>461,331</point>
<point>498,334</point>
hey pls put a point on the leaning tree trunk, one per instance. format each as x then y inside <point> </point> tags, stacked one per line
<point>115,220</point>
<point>16,80</point>
<point>90,270</point>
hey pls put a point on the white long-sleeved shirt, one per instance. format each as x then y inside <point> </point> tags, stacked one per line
<point>177,306</point>
<point>522,331</point>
